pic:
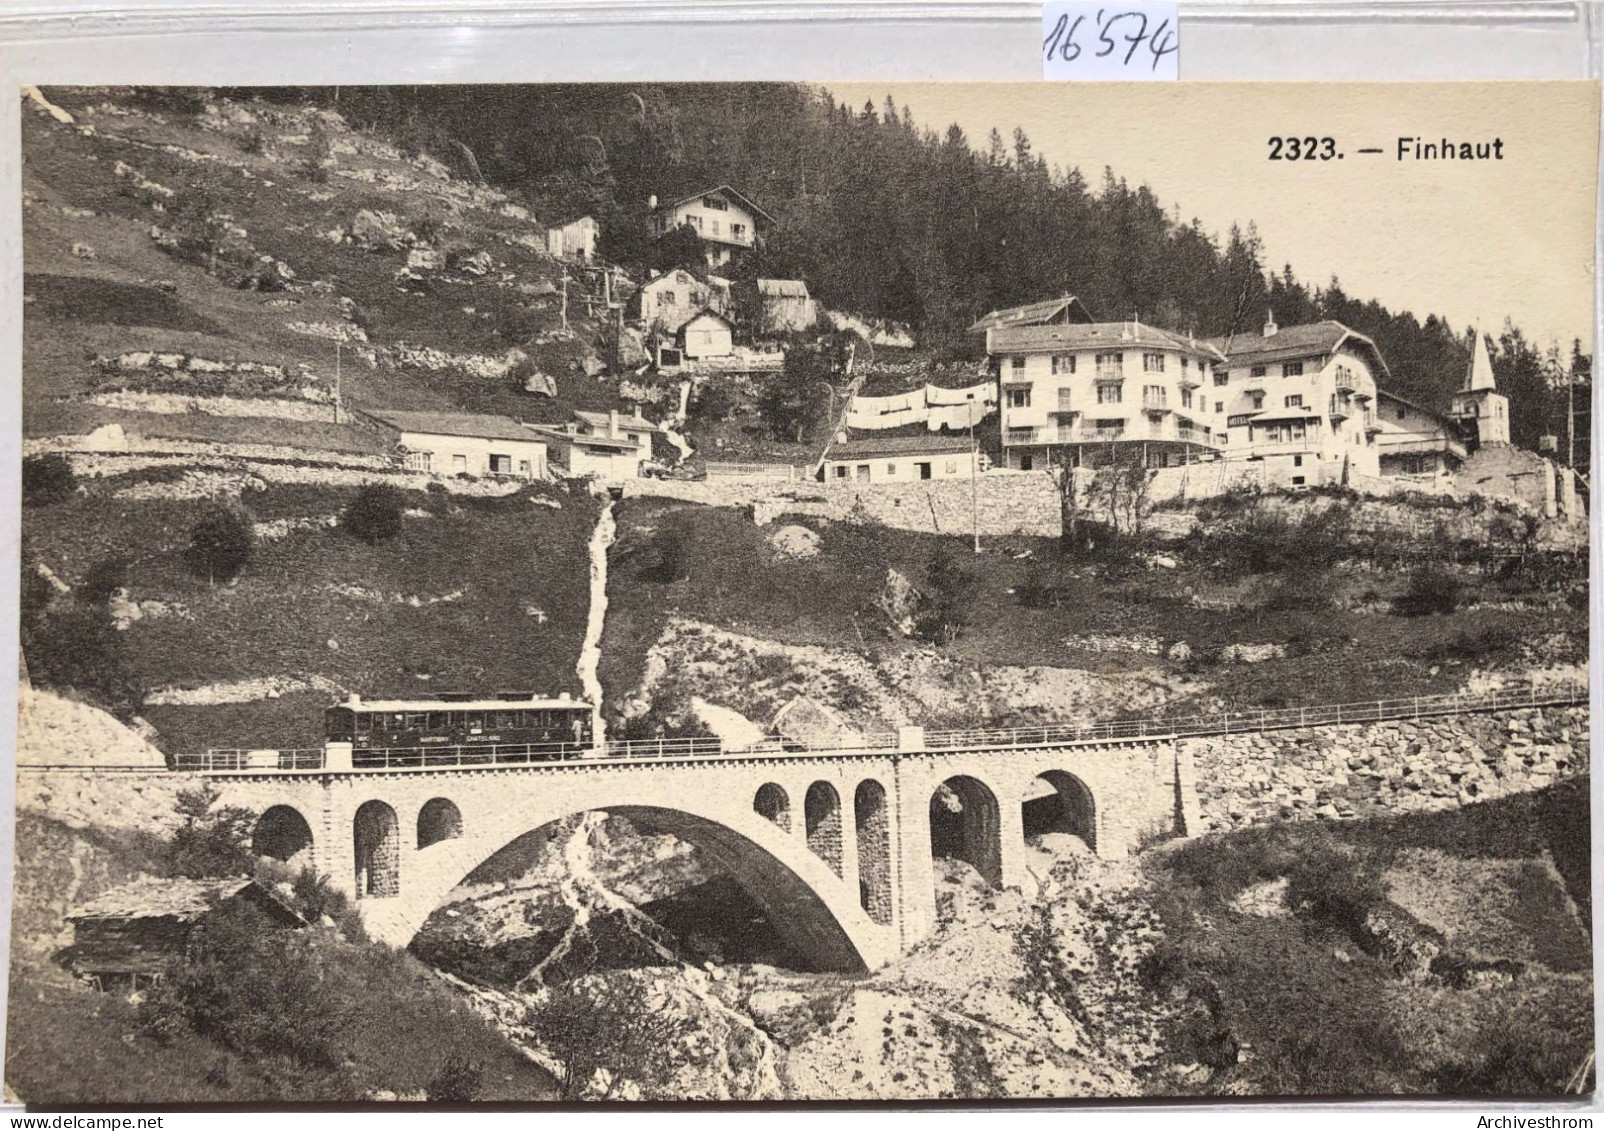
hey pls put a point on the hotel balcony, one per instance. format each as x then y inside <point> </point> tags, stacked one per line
<point>1155,404</point>
<point>1346,386</point>
<point>1340,408</point>
<point>1421,445</point>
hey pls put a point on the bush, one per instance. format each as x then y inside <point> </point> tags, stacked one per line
<point>220,545</point>
<point>457,1082</point>
<point>252,141</point>
<point>47,479</point>
<point>79,647</point>
<point>375,515</point>
<point>253,987</point>
<point>318,150</point>
<point>211,842</point>
<point>103,580</point>
<point>943,610</point>
<point>1432,590</point>
<point>611,1029</point>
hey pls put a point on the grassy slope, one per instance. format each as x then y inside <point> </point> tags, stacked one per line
<point>1237,975</point>
<point>735,582</point>
<point>107,305</point>
<point>504,557</point>
<point>68,1046</point>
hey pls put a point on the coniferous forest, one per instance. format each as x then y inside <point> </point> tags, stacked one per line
<point>892,218</point>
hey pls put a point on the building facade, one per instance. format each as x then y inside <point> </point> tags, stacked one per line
<point>1415,444</point>
<point>1103,392</point>
<point>668,301</point>
<point>787,308</point>
<point>601,444</point>
<point>704,335</point>
<point>575,240</point>
<point>1299,402</point>
<point>727,223</point>
<point>901,459</point>
<point>460,443</point>
<point>1065,311</point>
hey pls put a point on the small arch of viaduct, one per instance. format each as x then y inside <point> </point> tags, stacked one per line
<point>838,849</point>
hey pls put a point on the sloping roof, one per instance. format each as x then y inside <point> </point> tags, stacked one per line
<point>1479,373</point>
<point>1440,418</point>
<point>1091,335</point>
<point>1032,314</point>
<point>603,420</point>
<point>705,312</point>
<point>782,288</point>
<point>727,190</point>
<point>1275,415</point>
<point>899,446</point>
<point>557,434</point>
<point>451,424</point>
<point>183,899</point>
<point>1290,343</point>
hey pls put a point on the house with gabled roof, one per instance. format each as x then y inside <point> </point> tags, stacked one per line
<point>1300,401</point>
<point>131,936</point>
<point>463,443</point>
<point>901,459</point>
<point>727,222</point>
<point>1062,311</point>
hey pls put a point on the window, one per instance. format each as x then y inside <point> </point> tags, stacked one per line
<point>1110,365</point>
<point>1186,398</point>
<point>1221,378</point>
<point>840,471</point>
<point>1219,406</point>
<point>696,222</point>
<point>1025,463</point>
<point>1063,363</point>
<point>863,471</point>
<point>1256,371</point>
<point>1018,398</point>
<point>923,469</point>
<point>459,465</point>
<point>715,226</point>
<point>525,469</point>
<point>891,469</point>
<point>1293,401</point>
<point>1110,429</point>
<point>1292,369</point>
<point>500,465</point>
<point>717,203</point>
<point>1154,396</point>
<point>952,467</point>
<point>1111,393</point>
<point>420,461</point>
<point>668,298</point>
<point>1297,481</point>
<point>738,232</point>
<point>1152,363</point>
<point>1258,401</point>
<point>1297,461</point>
<point>1016,363</point>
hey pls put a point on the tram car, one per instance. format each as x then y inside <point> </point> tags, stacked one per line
<point>460,729</point>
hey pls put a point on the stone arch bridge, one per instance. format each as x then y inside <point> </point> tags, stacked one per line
<point>838,847</point>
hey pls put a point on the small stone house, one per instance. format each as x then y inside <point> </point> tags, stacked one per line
<point>707,334</point>
<point>575,240</point>
<point>131,936</point>
<point>461,443</point>
<point>601,444</point>
<point>901,459</point>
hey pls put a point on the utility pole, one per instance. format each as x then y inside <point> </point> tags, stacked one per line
<point>337,403</point>
<point>974,481</point>
<point>565,299</point>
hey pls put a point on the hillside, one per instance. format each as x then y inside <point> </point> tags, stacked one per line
<point>1248,610</point>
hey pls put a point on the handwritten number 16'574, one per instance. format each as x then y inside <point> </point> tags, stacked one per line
<point>1122,27</point>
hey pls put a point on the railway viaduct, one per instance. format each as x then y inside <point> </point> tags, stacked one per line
<point>838,847</point>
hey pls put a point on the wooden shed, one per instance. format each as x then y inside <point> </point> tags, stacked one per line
<point>130,936</point>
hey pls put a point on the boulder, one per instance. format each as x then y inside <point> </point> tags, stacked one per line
<point>106,438</point>
<point>899,600</point>
<point>379,231</point>
<point>815,725</point>
<point>794,543</point>
<point>542,383</point>
<point>1180,651</point>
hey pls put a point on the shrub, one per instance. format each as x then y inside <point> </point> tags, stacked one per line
<point>46,479</point>
<point>943,610</point>
<point>103,580</point>
<point>220,545</point>
<point>254,988</point>
<point>318,150</point>
<point>457,1082</point>
<point>79,647</point>
<point>606,1029</point>
<point>375,515</point>
<point>1432,590</point>
<point>252,141</point>
<point>211,841</point>
<point>712,402</point>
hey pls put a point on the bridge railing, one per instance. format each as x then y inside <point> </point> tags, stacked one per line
<point>295,758</point>
<point>1224,723</point>
<point>1273,718</point>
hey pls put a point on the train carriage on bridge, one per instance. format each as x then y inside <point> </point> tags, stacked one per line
<point>460,729</point>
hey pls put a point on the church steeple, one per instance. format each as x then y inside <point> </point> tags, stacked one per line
<point>1480,409</point>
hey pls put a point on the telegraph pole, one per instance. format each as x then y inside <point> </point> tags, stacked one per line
<point>337,403</point>
<point>974,481</point>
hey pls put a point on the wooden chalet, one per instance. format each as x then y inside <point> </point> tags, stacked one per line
<point>131,936</point>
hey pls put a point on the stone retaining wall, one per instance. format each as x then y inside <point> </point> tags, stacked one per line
<point>127,800</point>
<point>1369,769</point>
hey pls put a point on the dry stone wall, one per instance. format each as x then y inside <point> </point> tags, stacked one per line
<point>1369,769</point>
